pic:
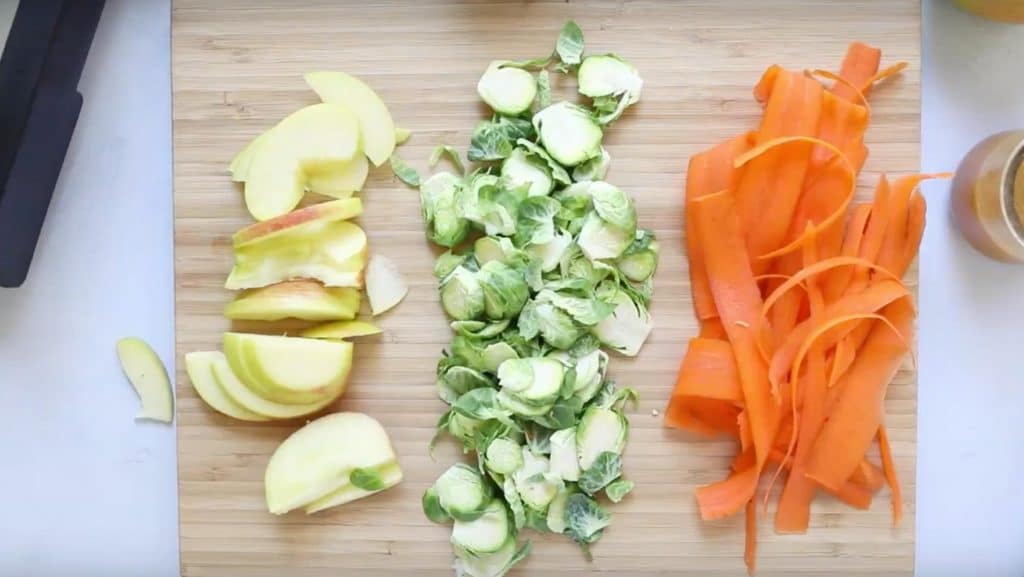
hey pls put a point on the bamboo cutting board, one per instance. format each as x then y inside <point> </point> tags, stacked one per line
<point>237,70</point>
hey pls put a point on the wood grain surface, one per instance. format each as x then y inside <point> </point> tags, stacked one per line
<point>237,70</point>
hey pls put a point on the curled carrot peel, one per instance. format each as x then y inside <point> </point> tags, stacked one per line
<point>882,75</point>
<point>765,147</point>
<point>798,377</point>
<point>873,299</point>
<point>857,95</point>
<point>818,268</point>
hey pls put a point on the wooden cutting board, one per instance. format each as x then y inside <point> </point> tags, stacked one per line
<point>237,70</point>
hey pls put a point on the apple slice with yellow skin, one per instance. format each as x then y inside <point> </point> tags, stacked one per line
<point>340,180</point>
<point>387,476</point>
<point>199,365</point>
<point>303,222</point>
<point>240,393</point>
<point>375,123</point>
<point>310,139</point>
<point>243,160</point>
<point>297,299</point>
<point>148,376</point>
<point>289,370</point>
<point>342,330</point>
<point>401,135</point>
<point>336,256</point>
<point>320,458</point>
<point>236,355</point>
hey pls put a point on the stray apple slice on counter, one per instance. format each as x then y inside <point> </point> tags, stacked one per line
<point>241,394</point>
<point>334,255</point>
<point>342,330</point>
<point>312,138</point>
<point>147,374</point>
<point>385,286</point>
<point>289,370</point>
<point>297,299</point>
<point>375,123</point>
<point>199,366</point>
<point>340,180</point>
<point>326,456</point>
<point>305,221</point>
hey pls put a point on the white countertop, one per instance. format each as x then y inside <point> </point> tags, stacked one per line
<point>90,492</point>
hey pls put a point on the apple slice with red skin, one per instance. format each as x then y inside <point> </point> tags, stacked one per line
<point>335,255</point>
<point>305,221</point>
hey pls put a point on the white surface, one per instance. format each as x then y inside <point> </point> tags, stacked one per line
<point>95,493</point>
<point>970,504</point>
<point>89,492</point>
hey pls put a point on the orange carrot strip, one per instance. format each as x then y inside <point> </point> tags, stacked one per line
<point>750,543</point>
<point>743,426</point>
<point>712,328</point>
<point>859,65</point>
<point>764,86</point>
<point>853,493</point>
<point>760,242</point>
<point>726,498</point>
<point>707,417</point>
<point>857,413</point>
<point>708,172</point>
<point>709,371</point>
<point>874,233</point>
<point>817,268</point>
<point>794,510</point>
<point>872,299</point>
<point>893,70</point>
<point>915,231</point>
<point>856,95</point>
<point>844,356</point>
<point>868,475</point>
<point>839,280</point>
<point>739,304</point>
<point>768,190</point>
<point>798,394</point>
<point>892,253</point>
<point>889,467</point>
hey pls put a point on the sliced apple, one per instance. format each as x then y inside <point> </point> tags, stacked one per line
<point>243,160</point>
<point>385,285</point>
<point>342,330</point>
<point>297,299</point>
<point>340,180</point>
<point>240,393</point>
<point>388,476</point>
<point>303,222</point>
<point>375,123</point>
<point>289,370</point>
<point>335,256</point>
<point>148,376</point>
<point>319,459</point>
<point>199,366</point>
<point>309,139</point>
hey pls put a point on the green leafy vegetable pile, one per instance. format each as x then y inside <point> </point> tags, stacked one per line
<point>546,265</point>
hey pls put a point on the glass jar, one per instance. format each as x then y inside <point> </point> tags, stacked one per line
<point>988,196</point>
